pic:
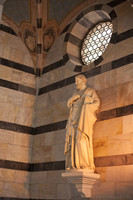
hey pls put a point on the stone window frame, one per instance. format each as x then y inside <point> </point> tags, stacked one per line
<point>79,28</point>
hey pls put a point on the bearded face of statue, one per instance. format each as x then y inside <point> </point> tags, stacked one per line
<point>80,84</point>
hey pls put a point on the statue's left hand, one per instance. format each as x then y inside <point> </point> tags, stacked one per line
<point>88,99</point>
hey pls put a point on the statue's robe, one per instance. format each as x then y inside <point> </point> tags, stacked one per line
<point>79,130</point>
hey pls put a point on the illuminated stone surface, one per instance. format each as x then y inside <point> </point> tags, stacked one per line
<point>96,42</point>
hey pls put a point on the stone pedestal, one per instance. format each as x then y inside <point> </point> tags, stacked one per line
<point>80,183</point>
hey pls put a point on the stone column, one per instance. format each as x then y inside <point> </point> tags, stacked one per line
<point>80,183</point>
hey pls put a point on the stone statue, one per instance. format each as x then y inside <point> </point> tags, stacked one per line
<point>79,128</point>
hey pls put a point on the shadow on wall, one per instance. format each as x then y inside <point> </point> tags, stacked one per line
<point>75,194</point>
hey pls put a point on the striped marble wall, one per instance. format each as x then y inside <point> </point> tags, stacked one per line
<point>111,75</point>
<point>32,159</point>
<point>17,95</point>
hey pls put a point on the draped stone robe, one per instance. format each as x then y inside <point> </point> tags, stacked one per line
<point>79,130</point>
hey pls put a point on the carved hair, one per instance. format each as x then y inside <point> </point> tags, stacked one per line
<point>82,77</point>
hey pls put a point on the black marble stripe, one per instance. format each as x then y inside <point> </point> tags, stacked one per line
<point>7,29</point>
<point>16,65</point>
<point>114,39</point>
<point>39,48</point>
<point>18,87</point>
<point>48,166</point>
<point>39,22</point>
<point>57,85</point>
<point>102,15</point>
<point>50,127</point>
<point>7,164</point>
<point>125,35</point>
<point>25,89</point>
<point>106,161</point>
<point>97,62</point>
<point>125,110</point>
<point>78,68</point>
<point>104,115</point>
<point>90,73</point>
<point>122,61</point>
<point>8,84</point>
<point>56,65</point>
<point>115,160</point>
<point>16,127</point>
<point>38,72</point>
<point>74,40</point>
<point>79,16</point>
<point>67,37</point>
<point>113,15</point>
<point>53,66</point>
<point>116,112</point>
<point>98,7</point>
<point>65,29</point>
<point>115,3</point>
<point>93,72</point>
<point>86,23</point>
<point>108,114</point>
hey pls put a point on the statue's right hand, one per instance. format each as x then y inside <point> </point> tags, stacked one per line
<point>71,100</point>
<point>75,97</point>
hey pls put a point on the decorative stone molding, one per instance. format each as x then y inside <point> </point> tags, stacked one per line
<point>82,24</point>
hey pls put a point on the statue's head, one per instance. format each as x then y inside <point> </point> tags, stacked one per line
<point>80,81</point>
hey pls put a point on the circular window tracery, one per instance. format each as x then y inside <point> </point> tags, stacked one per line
<point>96,42</point>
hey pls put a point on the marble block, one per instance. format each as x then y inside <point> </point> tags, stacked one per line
<point>80,183</point>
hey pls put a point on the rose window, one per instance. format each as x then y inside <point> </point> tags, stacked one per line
<point>96,42</point>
